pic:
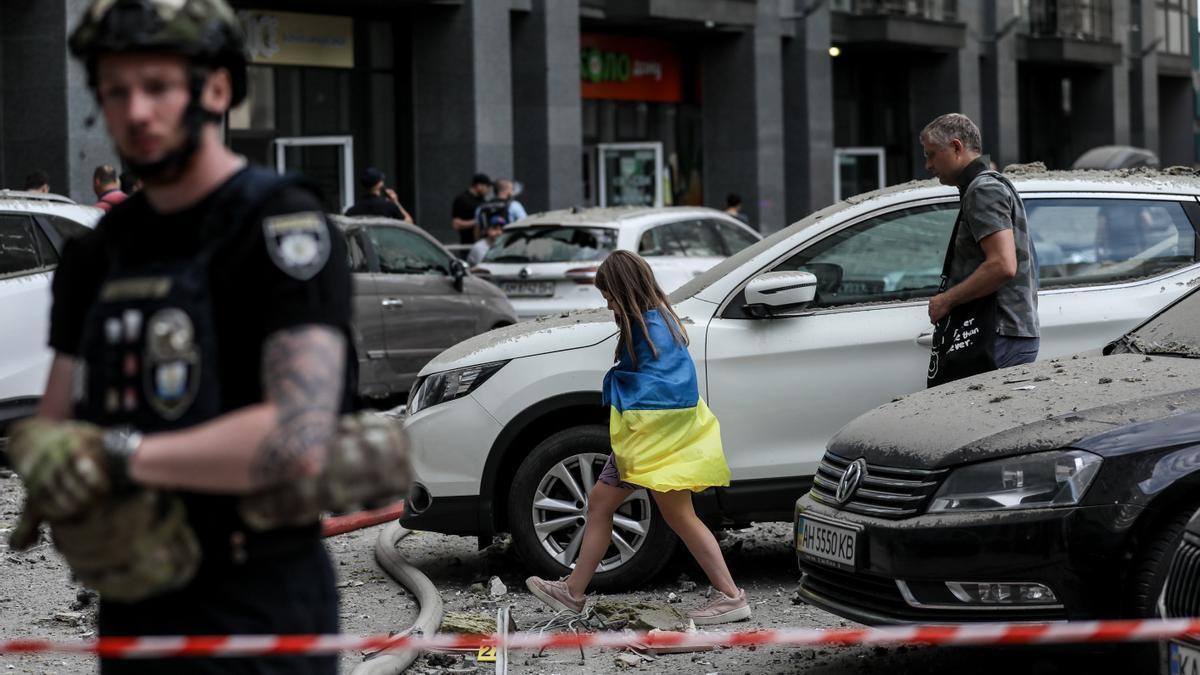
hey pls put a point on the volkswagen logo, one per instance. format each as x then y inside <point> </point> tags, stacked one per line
<point>851,480</point>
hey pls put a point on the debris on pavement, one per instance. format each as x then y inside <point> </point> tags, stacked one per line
<point>496,588</point>
<point>628,660</point>
<point>70,617</point>
<point>83,599</point>
<point>640,615</point>
<point>471,623</point>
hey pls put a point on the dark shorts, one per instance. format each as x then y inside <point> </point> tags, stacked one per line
<point>609,475</point>
<point>1016,351</point>
<point>295,594</point>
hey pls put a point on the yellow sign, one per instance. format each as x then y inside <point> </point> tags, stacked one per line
<point>291,39</point>
<point>487,654</point>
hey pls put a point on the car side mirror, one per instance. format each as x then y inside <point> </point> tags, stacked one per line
<point>459,272</point>
<point>774,292</point>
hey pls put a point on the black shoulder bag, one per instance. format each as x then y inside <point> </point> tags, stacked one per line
<point>964,342</point>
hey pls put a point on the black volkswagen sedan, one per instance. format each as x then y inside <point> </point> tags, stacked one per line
<point>1057,490</point>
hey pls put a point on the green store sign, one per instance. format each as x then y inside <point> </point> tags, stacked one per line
<point>598,66</point>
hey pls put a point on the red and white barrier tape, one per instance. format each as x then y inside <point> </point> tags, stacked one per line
<point>274,645</point>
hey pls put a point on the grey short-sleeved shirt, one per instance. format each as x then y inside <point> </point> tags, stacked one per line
<point>989,205</point>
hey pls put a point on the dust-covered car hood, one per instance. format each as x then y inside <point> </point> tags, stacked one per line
<point>572,330</point>
<point>1042,406</point>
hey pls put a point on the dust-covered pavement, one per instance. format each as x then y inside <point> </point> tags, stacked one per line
<point>38,599</point>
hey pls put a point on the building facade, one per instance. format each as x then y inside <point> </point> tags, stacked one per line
<point>790,104</point>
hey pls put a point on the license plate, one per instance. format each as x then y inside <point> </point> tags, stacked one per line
<point>1185,659</point>
<point>826,542</point>
<point>528,289</point>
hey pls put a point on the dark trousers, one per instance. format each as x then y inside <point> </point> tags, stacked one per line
<point>1016,351</point>
<point>292,594</point>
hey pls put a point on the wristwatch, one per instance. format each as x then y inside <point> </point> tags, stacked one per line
<point>119,444</point>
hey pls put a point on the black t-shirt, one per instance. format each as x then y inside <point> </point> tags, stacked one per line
<point>375,205</point>
<point>252,296</point>
<point>464,208</point>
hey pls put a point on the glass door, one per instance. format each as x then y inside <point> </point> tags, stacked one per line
<point>857,170</point>
<point>328,161</point>
<point>630,174</point>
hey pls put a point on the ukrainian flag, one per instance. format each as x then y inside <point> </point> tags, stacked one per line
<point>663,435</point>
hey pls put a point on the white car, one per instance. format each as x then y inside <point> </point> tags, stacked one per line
<point>33,228</point>
<point>547,263</point>
<point>792,338</point>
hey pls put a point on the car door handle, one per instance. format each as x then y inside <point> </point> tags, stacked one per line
<point>925,339</point>
<point>392,302</point>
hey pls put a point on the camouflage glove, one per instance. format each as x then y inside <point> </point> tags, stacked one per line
<point>367,466</point>
<point>131,547</point>
<point>62,465</point>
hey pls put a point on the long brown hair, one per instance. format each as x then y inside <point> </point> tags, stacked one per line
<point>628,280</point>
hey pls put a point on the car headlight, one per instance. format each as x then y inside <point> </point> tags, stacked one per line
<point>449,385</point>
<point>1058,478</point>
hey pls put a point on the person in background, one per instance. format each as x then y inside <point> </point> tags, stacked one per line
<point>463,211</point>
<point>481,247</point>
<point>107,187</point>
<point>379,200</point>
<point>37,181</point>
<point>733,206</point>
<point>504,190</point>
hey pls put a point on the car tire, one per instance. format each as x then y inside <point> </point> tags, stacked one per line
<point>1145,584</point>
<point>1151,568</point>
<point>579,453</point>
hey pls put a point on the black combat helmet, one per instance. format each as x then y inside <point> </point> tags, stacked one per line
<point>207,32</point>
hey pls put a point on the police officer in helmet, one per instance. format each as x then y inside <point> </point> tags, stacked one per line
<point>201,338</point>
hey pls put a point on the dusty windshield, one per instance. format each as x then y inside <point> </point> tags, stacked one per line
<point>1174,332</point>
<point>553,244</point>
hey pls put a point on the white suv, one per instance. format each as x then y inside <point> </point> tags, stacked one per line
<point>547,263</point>
<point>33,228</point>
<point>792,338</point>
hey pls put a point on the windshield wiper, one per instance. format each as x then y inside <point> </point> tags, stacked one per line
<point>1129,344</point>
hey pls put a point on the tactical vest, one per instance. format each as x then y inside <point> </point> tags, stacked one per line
<point>149,346</point>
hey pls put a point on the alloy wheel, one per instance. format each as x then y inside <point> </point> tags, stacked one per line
<point>560,513</point>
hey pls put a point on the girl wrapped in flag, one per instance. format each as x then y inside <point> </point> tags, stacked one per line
<point>664,439</point>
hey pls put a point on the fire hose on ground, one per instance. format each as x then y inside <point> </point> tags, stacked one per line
<point>387,554</point>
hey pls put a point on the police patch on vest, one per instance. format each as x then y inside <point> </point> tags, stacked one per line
<point>298,243</point>
<point>172,363</point>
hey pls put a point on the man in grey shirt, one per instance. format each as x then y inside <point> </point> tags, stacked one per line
<point>992,251</point>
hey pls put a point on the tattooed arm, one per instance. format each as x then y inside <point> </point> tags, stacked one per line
<point>281,439</point>
<point>302,378</point>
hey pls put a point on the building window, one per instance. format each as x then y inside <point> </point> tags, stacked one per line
<point>1172,19</point>
<point>1076,19</point>
<point>932,10</point>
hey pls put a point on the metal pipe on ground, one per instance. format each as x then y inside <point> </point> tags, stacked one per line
<point>429,619</point>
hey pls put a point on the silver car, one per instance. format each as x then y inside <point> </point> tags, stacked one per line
<point>412,300</point>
